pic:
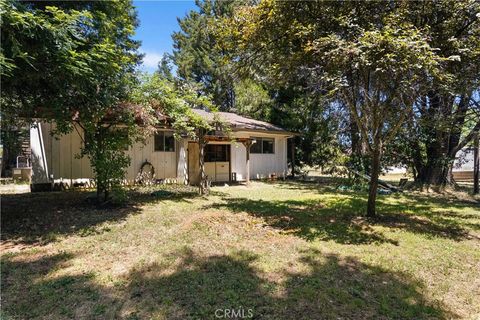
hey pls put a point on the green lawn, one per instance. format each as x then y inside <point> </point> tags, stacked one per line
<point>285,250</point>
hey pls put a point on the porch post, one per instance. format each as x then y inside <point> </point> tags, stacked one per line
<point>247,145</point>
<point>203,183</point>
<point>293,156</point>
<point>248,162</point>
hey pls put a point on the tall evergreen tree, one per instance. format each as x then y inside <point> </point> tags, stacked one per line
<point>197,54</point>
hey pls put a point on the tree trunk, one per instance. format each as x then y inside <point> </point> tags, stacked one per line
<point>442,139</point>
<point>100,175</point>
<point>355,137</point>
<point>247,147</point>
<point>476,164</point>
<point>372,192</point>
<point>437,175</point>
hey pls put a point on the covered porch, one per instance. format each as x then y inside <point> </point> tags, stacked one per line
<point>224,159</point>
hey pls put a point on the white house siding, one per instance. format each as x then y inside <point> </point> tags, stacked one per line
<point>39,164</point>
<point>58,157</point>
<point>463,165</point>
<point>62,163</point>
<point>239,159</point>
<point>182,163</point>
<point>261,165</point>
<point>165,163</point>
<point>463,160</point>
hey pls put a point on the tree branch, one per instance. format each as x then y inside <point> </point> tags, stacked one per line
<point>469,137</point>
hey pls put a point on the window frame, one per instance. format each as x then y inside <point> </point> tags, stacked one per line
<point>259,142</point>
<point>218,149</point>
<point>164,140</point>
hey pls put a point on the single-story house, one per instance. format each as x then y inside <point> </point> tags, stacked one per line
<point>173,159</point>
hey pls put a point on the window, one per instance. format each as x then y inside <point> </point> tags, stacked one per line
<point>263,145</point>
<point>267,145</point>
<point>164,141</point>
<point>217,153</point>
<point>159,142</point>
<point>257,146</point>
<point>169,142</point>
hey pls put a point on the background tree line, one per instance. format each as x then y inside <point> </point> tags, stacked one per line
<point>390,83</point>
<point>366,84</point>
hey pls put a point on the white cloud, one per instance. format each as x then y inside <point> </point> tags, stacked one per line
<point>151,59</point>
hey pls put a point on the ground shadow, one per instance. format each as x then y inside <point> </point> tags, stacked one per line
<point>311,219</point>
<point>324,185</point>
<point>331,288</point>
<point>343,219</point>
<point>426,217</point>
<point>37,218</point>
<point>202,287</point>
<point>29,293</point>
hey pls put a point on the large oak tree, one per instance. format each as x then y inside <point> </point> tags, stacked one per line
<point>366,56</point>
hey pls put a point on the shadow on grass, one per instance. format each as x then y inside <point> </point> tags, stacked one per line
<point>311,219</point>
<point>326,287</point>
<point>330,184</point>
<point>29,293</point>
<point>37,218</point>
<point>342,219</point>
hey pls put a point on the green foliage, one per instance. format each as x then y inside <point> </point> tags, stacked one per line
<point>73,63</point>
<point>198,56</point>
<point>172,103</point>
<point>318,123</point>
<point>369,58</point>
<point>446,116</point>
<point>164,67</point>
<point>252,99</point>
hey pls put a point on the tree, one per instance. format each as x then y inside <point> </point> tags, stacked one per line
<point>73,63</point>
<point>164,67</point>
<point>201,56</point>
<point>197,55</point>
<point>318,121</point>
<point>173,103</point>
<point>380,75</point>
<point>361,55</point>
<point>447,113</point>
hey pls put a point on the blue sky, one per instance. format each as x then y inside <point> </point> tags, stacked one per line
<point>158,20</point>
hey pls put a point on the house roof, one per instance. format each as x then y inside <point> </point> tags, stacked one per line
<point>240,123</point>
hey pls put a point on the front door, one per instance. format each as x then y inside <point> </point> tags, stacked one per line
<point>217,162</point>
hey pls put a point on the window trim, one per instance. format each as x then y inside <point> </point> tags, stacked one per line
<point>259,140</point>
<point>162,133</point>
<point>225,152</point>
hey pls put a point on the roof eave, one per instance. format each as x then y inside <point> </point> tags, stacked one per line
<point>280,132</point>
